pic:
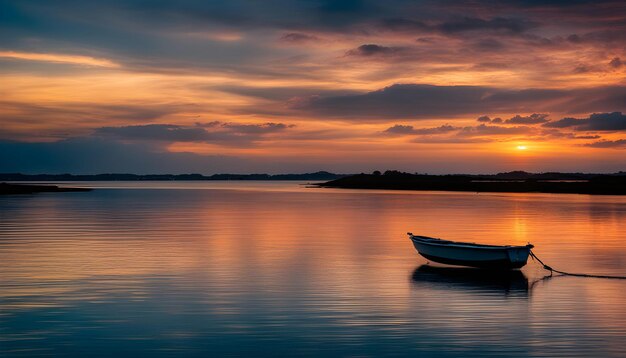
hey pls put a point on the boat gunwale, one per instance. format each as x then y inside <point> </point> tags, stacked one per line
<point>447,243</point>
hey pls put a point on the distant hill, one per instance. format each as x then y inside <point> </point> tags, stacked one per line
<point>317,176</point>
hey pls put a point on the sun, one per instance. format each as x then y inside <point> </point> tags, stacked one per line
<point>521,147</point>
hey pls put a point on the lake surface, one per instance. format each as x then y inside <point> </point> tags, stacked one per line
<point>278,269</point>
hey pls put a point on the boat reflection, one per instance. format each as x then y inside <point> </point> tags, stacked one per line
<point>508,282</point>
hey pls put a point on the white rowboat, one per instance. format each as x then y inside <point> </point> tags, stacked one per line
<point>469,254</point>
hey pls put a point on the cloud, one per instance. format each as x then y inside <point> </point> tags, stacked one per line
<point>615,121</point>
<point>427,101</point>
<point>200,132</point>
<point>483,130</point>
<point>400,129</point>
<point>92,110</point>
<point>582,69</point>
<point>264,128</point>
<point>459,26</point>
<point>60,58</point>
<point>620,143</point>
<point>158,132</point>
<point>297,37</point>
<point>72,118</point>
<point>534,118</point>
<point>564,123</point>
<point>446,128</point>
<point>407,129</point>
<point>401,101</point>
<point>487,119</point>
<point>616,62</point>
<point>370,50</point>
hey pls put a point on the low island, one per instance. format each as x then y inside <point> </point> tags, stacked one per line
<point>512,182</point>
<point>6,189</point>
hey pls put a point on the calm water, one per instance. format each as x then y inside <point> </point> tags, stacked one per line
<point>235,268</point>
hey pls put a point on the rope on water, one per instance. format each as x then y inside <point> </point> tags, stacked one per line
<point>532,254</point>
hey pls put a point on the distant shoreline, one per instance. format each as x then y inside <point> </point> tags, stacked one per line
<point>599,184</point>
<point>317,176</point>
<point>9,189</point>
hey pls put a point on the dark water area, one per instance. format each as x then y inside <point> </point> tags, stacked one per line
<point>278,269</point>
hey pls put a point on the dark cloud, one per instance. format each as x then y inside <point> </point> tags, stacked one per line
<point>564,123</point>
<point>615,121</point>
<point>483,129</point>
<point>159,132</point>
<point>407,129</point>
<point>200,132</point>
<point>446,128</point>
<point>400,129</point>
<point>401,100</point>
<point>534,118</point>
<point>296,37</point>
<point>582,69</point>
<point>599,99</point>
<point>375,50</point>
<point>616,62</point>
<point>620,143</point>
<point>264,128</point>
<point>427,101</point>
<point>487,119</point>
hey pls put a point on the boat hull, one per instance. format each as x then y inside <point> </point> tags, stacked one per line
<point>472,255</point>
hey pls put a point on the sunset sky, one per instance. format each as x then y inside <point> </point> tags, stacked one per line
<point>284,86</point>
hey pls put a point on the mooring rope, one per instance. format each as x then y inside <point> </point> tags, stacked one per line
<point>532,254</point>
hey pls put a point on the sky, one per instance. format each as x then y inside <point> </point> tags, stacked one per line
<point>298,86</point>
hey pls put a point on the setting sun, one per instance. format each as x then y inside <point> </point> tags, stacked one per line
<point>521,147</point>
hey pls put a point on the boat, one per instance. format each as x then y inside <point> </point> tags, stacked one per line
<point>470,254</point>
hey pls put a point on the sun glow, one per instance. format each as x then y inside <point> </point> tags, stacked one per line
<point>521,147</point>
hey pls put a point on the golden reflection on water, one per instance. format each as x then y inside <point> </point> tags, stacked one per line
<point>251,264</point>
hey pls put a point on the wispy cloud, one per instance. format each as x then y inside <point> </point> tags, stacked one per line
<point>620,143</point>
<point>60,58</point>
